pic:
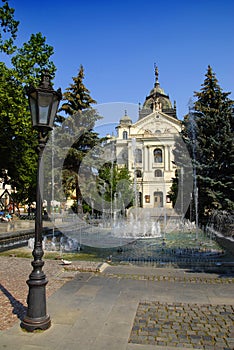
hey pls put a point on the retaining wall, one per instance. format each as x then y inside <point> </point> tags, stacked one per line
<point>226,242</point>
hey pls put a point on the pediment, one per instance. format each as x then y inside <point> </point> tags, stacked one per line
<point>157,123</point>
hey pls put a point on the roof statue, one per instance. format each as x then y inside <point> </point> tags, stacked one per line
<point>156,75</point>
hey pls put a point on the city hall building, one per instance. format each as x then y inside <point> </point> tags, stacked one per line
<point>146,147</point>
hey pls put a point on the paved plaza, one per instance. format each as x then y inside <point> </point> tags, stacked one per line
<point>127,307</point>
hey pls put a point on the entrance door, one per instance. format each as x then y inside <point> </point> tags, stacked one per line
<point>158,199</point>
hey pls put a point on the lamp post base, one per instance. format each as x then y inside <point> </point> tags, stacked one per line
<point>33,324</point>
<point>36,317</point>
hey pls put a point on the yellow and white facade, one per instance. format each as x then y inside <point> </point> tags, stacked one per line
<point>146,147</point>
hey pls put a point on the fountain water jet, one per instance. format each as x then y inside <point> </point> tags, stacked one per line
<point>193,127</point>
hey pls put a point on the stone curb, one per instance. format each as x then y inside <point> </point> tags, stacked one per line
<point>173,279</point>
<point>86,267</point>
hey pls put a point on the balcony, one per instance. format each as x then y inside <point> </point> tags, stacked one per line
<point>157,165</point>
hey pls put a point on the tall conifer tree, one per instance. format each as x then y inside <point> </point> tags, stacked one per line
<point>78,106</point>
<point>214,143</point>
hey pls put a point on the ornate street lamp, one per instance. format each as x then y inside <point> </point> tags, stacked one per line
<point>43,102</point>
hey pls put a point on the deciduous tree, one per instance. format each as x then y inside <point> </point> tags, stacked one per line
<point>17,139</point>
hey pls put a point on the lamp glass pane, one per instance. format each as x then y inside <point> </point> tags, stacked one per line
<point>33,107</point>
<point>53,112</point>
<point>44,102</point>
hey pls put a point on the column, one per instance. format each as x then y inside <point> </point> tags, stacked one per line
<point>149,158</point>
<point>166,155</point>
<point>169,158</point>
<point>145,158</point>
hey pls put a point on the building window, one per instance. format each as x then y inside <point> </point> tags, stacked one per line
<point>138,173</point>
<point>158,173</point>
<point>168,199</point>
<point>147,199</point>
<point>157,155</point>
<point>138,155</point>
<point>125,135</point>
<point>124,155</point>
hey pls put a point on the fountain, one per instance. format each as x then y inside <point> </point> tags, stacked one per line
<point>135,177</point>
<point>193,126</point>
<point>155,229</point>
<point>140,240</point>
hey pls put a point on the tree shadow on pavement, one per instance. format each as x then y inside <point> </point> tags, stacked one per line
<point>18,308</point>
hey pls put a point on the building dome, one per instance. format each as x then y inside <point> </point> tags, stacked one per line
<point>157,89</point>
<point>125,119</point>
<point>157,100</point>
<point>161,97</point>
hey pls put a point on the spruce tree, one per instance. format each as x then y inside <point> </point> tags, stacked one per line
<point>78,127</point>
<point>214,146</point>
<point>77,96</point>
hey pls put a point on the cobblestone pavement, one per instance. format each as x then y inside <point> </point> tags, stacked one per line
<point>180,325</point>
<point>14,273</point>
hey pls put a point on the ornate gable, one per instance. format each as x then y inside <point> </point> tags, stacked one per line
<point>156,123</point>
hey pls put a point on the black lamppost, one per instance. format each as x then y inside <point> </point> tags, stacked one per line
<point>43,102</point>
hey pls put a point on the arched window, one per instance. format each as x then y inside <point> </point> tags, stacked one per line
<point>138,173</point>
<point>138,155</point>
<point>157,155</point>
<point>125,135</point>
<point>158,173</point>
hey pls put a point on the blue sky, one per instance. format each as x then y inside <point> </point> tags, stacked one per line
<point>118,43</point>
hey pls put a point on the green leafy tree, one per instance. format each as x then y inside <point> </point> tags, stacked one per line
<point>116,183</point>
<point>9,28</point>
<point>18,142</point>
<point>31,59</point>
